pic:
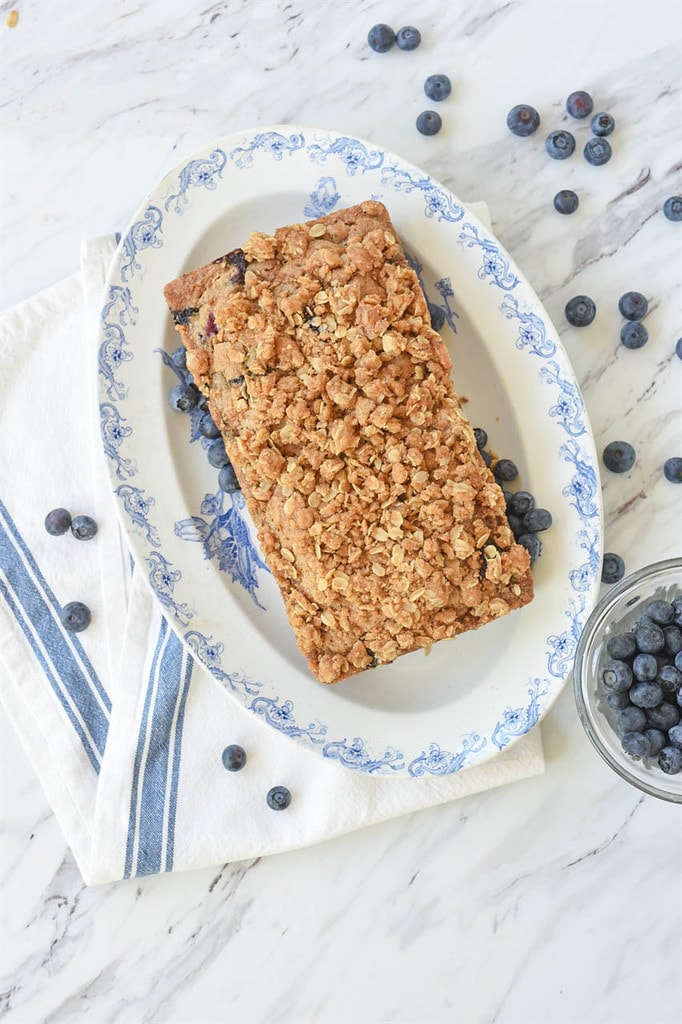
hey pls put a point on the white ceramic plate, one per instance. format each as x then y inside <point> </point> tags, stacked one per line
<point>425,714</point>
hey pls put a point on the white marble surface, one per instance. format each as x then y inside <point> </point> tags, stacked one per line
<point>557,899</point>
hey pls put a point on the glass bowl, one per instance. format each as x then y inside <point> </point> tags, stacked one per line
<point>617,612</point>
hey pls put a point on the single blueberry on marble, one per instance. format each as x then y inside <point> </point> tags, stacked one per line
<point>602,124</point>
<point>381,38</point>
<point>560,145</point>
<point>633,305</point>
<point>619,456</point>
<point>579,104</point>
<point>672,208</point>
<point>597,151</point>
<point>672,470</point>
<point>633,334</point>
<point>438,87</point>
<point>408,38</point>
<point>678,348</point>
<point>613,568</point>
<point>580,311</point>
<point>429,122</point>
<point>523,120</point>
<point>566,201</point>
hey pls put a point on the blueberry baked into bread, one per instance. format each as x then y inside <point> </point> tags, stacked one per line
<point>375,512</point>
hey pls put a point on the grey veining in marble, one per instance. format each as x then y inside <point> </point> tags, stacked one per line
<point>557,900</point>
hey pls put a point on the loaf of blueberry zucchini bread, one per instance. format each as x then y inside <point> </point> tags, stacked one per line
<point>375,511</point>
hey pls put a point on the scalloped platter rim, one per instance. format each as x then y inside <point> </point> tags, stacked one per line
<point>424,715</point>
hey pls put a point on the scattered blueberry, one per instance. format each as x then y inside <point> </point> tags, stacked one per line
<point>660,612</point>
<point>649,636</point>
<point>633,306</point>
<point>481,438</point>
<point>631,720</point>
<point>536,520</point>
<point>672,470</point>
<point>216,454</point>
<point>75,616</point>
<point>645,668</point>
<point>602,124</point>
<point>184,397</point>
<point>560,145</point>
<point>579,104</point>
<point>83,527</point>
<point>613,568</point>
<point>408,38</point>
<point>520,503</point>
<point>580,311</point>
<point>670,760</point>
<point>505,470</point>
<point>656,739</point>
<point>616,676</point>
<point>636,744</point>
<point>437,87</point>
<point>207,427</point>
<point>678,348</point>
<point>429,122</point>
<point>278,798</point>
<point>646,695</point>
<point>622,645</point>
<point>633,334</point>
<point>523,120</point>
<point>532,543</point>
<point>57,522</point>
<point>619,456</point>
<point>672,208</point>
<point>234,757</point>
<point>437,316</point>
<point>566,201</point>
<point>179,358</point>
<point>227,479</point>
<point>597,151</point>
<point>381,38</point>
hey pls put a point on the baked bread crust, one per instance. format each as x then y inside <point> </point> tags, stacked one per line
<point>375,512</point>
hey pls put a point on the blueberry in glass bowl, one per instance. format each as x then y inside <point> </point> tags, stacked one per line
<point>630,715</point>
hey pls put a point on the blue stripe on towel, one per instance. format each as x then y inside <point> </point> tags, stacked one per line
<point>154,787</point>
<point>59,653</point>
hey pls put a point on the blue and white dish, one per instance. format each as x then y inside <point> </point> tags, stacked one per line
<point>426,714</point>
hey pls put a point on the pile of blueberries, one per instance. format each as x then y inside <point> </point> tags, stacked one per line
<point>381,38</point>
<point>75,616</point>
<point>526,521</point>
<point>641,682</point>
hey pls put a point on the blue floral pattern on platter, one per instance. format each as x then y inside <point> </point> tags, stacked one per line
<point>495,265</point>
<point>199,173</point>
<point>219,526</point>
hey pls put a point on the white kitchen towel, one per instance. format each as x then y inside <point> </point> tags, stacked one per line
<point>125,729</point>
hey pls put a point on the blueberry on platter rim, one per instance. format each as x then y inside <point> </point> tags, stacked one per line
<point>523,120</point>
<point>580,311</point>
